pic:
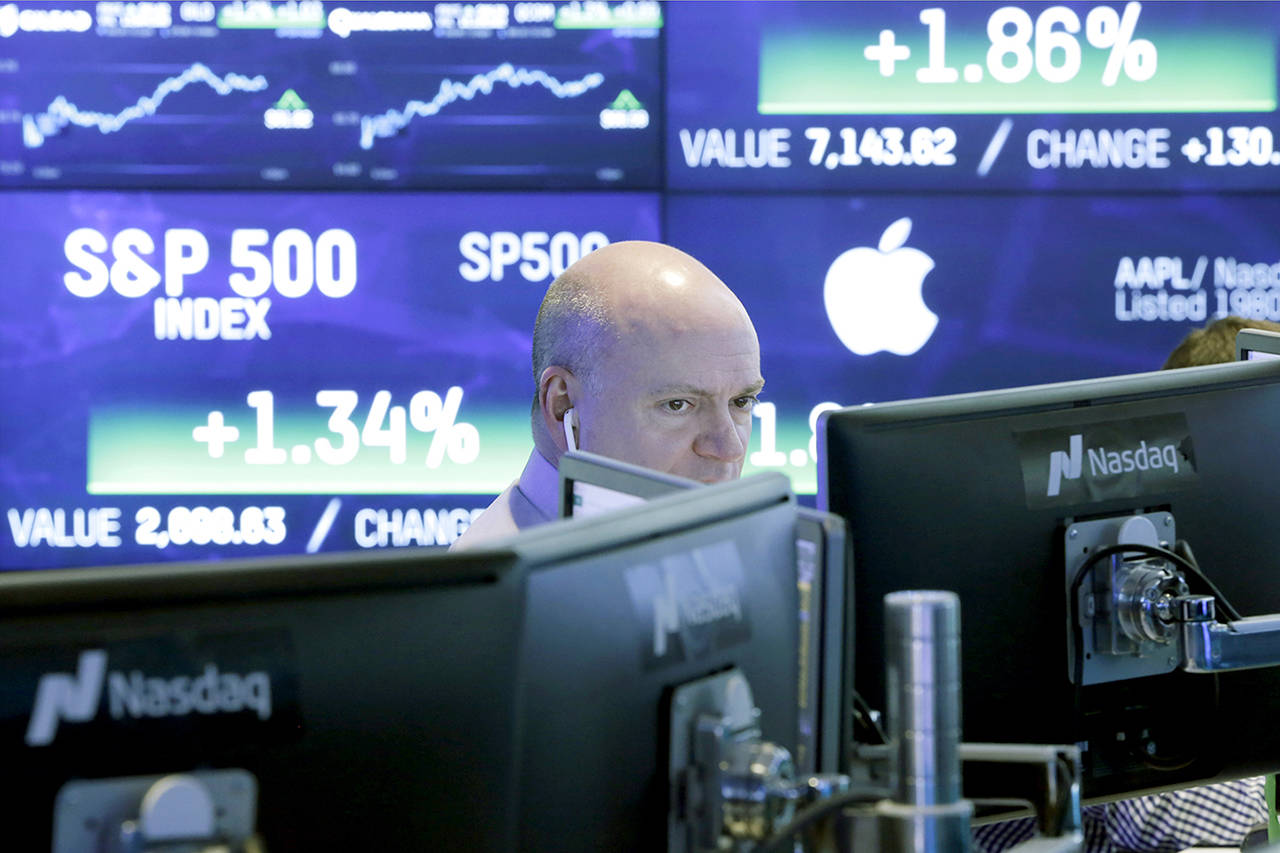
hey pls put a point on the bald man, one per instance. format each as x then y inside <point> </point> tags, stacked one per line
<point>642,354</point>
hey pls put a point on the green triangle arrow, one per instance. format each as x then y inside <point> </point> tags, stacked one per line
<point>290,101</point>
<point>626,101</point>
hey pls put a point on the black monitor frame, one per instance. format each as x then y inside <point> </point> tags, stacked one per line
<point>391,679</point>
<point>937,495</point>
<point>609,637</point>
<point>823,564</point>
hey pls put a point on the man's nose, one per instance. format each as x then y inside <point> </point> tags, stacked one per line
<point>720,439</point>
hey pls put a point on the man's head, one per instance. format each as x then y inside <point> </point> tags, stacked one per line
<point>655,356</point>
<point>1215,343</point>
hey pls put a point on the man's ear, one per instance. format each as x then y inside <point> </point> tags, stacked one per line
<point>557,390</point>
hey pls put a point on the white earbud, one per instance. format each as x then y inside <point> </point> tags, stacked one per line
<point>569,440</point>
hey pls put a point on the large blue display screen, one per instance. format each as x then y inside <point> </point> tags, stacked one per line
<point>309,94</point>
<point>219,374</point>
<point>873,298</point>
<point>272,266</point>
<point>972,96</point>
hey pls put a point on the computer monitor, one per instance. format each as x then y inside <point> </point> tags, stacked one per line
<point>984,493</point>
<point>1257,345</point>
<point>622,610</point>
<point>591,484</point>
<point>352,701</point>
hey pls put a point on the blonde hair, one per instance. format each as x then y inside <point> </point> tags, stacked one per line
<point>1215,343</point>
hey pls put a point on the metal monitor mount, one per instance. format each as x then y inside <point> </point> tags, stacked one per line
<point>1135,615</point>
<point>203,810</point>
<point>731,790</point>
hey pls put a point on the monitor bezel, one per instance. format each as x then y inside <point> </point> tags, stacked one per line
<point>1076,399</point>
<point>579,466</point>
<point>200,581</point>
<point>1249,341</point>
<point>1048,397</point>
<point>828,631</point>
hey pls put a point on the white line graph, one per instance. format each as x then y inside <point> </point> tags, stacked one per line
<point>392,122</point>
<point>61,112</point>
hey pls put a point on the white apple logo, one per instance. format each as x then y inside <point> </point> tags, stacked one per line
<point>873,296</point>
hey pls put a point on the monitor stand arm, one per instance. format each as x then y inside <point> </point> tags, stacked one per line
<point>1135,616</point>
<point>730,789</point>
<point>728,785</point>
<point>1212,646</point>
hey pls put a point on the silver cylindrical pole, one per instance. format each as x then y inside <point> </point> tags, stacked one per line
<point>922,658</point>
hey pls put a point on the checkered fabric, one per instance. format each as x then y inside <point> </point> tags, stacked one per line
<point>1209,816</point>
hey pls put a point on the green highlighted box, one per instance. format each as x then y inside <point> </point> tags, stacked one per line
<point>137,450</point>
<point>826,73</point>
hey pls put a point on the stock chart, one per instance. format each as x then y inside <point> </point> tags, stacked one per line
<point>305,94</point>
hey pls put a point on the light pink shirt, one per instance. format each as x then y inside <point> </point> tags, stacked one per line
<point>531,500</point>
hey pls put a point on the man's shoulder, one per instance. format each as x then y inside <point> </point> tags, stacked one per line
<point>496,522</point>
<point>531,500</point>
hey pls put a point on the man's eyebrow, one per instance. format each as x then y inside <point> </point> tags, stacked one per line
<point>695,391</point>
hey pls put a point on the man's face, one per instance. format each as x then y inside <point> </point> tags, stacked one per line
<point>675,399</point>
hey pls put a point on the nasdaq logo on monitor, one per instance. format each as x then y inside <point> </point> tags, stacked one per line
<point>690,604</point>
<point>1105,461</point>
<point>76,699</point>
<point>238,687</point>
<point>1064,465</point>
<point>67,697</point>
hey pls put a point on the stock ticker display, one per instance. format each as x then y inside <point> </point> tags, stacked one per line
<point>231,374</point>
<point>271,268</point>
<point>973,96</point>
<point>310,94</point>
